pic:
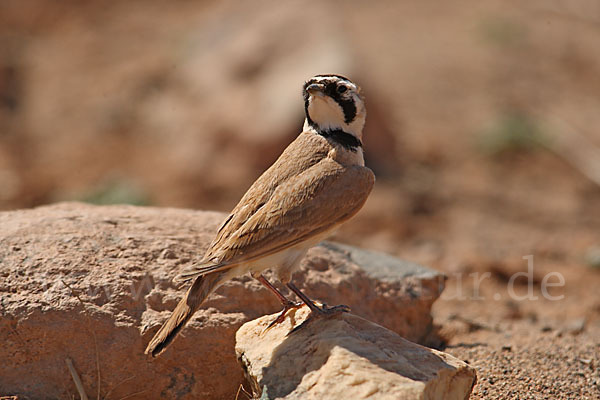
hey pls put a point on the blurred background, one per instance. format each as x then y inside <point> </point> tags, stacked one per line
<point>483,123</point>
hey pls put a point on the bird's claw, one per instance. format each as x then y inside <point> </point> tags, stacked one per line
<point>321,312</point>
<point>281,317</point>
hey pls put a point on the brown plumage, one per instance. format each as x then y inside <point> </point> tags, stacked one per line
<point>315,185</point>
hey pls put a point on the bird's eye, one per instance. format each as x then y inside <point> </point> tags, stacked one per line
<point>342,89</point>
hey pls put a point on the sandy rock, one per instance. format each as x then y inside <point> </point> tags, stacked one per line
<point>94,284</point>
<point>345,357</point>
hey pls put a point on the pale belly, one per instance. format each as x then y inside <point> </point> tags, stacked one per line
<point>283,263</point>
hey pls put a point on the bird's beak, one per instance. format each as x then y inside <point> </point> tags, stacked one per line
<point>315,89</point>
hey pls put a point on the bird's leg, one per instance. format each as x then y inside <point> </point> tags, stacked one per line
<point>285,302</point>
<point>316,311</point>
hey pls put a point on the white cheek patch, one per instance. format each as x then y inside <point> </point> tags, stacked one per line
<point>326,113</point>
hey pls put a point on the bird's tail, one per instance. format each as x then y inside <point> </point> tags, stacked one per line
<point>195,296</point>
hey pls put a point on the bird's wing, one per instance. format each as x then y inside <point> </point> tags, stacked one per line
<point>303,153</point>
<point>305,205</point>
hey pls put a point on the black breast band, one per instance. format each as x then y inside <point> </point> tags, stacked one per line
<point>345,139</point>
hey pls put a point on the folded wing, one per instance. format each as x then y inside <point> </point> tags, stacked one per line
<point>303,206</point>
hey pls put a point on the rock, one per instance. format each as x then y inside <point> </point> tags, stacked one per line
<point>93,284</point>
<point>345,357</point>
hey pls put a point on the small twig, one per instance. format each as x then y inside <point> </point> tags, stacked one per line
<point>96,349</point>
<point>242,390</point>
<point>92,332</point>
<point>76,379</point>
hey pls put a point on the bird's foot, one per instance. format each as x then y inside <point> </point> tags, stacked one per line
<point>320,312</point>
<point>290,305</point>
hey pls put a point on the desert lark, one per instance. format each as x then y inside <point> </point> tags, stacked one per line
<point>319,181</point>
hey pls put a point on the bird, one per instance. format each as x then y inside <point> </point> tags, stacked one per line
<point>317,183</point>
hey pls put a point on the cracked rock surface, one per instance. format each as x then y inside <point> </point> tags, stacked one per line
<point>345,357</point>
<point>93,284</point>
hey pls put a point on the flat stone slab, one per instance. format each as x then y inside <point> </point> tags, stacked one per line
<point>345,357</point>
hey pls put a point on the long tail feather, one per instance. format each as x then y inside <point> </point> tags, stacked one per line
<point>200,271</point>
<point>195,296</point>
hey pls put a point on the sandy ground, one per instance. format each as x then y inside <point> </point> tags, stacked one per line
<point>464,101</point>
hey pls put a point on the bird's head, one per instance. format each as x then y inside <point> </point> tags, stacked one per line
<point>333,102</point>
